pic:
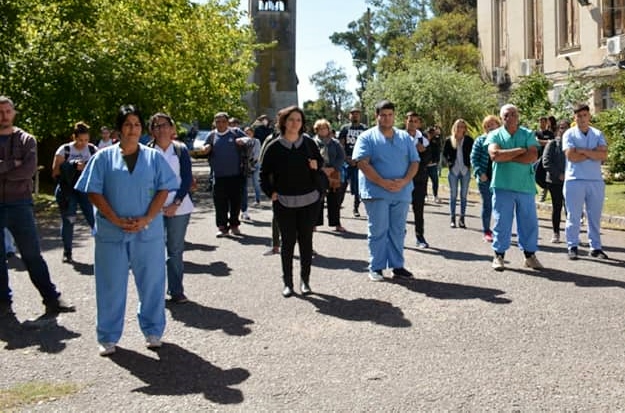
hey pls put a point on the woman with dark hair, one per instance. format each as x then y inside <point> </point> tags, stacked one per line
<point>70,160</point>
<point>128,184</point>
<point>457,152</point>
<point>289,175</point>
<point>554,162</point>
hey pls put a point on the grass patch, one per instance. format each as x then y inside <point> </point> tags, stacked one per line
<point>34,392</point>
<point>614,203</point>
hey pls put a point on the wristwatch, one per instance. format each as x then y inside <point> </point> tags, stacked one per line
<point>177,202</point>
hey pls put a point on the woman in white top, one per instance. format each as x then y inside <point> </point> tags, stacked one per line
<point>178,206</point>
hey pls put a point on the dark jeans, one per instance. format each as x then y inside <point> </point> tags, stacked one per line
<point>487,204</point>
<point>19,219</point>
<point>418,205</point>
<point>227,198</point>
<point>433,175</point>
<point>351,177</point>
<point>557,202</point>
<point>334,209</point>
<point>68,214</point>
<point>296,225</point>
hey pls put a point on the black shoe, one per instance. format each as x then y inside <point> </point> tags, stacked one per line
<point>287,291</point>
<point>178,299</point>
<point>10,254</point>
<point>5,309</point>
<point>67,257</point>
<point>598,254</point>
<point>401,272</point>
<point>461,223</point>
<point>356,213</point>
<point>572,253</point>
<point>452,224</point>
<point>60,306</point>
<point>305,289</point>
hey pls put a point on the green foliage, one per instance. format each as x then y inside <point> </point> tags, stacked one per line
<point>331,85</point>
<point>531,97</point>
<point>318,109</point>
<point>575,91</point>
<point>84,59</point>
<point>441,95</point>
<point>612,123</point>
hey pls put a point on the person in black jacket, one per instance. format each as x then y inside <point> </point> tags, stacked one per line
<point>457,152</point>
<point>420,180</point>
<point>554,162</point>
<point>289,175</point>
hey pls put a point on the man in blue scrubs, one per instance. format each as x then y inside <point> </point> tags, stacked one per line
<point>387,160</point>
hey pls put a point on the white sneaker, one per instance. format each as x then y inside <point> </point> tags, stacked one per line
<point>245,216</point>
<point>437,200</point>
<point>106,349</point>
<point>498,264</point>
<point>555,239</point>
<point>532,262</point>
<point>376,275</point>
<point>153,342</point>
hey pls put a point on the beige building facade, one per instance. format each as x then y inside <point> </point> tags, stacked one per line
<point>555,37</point>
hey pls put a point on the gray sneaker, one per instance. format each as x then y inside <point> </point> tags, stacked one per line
<point>376,275</point>
<point>498,264</point>
<point>532,262</point>
<point>106,349</point>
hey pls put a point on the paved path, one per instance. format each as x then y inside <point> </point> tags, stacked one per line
<point>458,337</point>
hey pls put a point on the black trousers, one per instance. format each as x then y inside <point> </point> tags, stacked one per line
<point>296,225</point>
<point>557,202</point>
<point>227,198</point>
<point>419,192</point>
<point>332,198</point>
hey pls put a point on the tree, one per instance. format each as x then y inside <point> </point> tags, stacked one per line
<point>440,7</point>
<point>532,99</point>
<point>574,91</point>
<point>331,85</point>
<point>84,59</point>
<point>441,95</point>
<point>449,37</point>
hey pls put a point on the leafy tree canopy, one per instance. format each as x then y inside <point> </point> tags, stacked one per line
<point>331,85</point>
<point>85,58</point>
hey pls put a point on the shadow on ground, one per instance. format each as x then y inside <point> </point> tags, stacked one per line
<point>44,332</point>
<point>179,372</point>
<point>360,309</point>
<point>206,318</point>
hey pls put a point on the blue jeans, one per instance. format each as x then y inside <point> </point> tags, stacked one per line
<point>487,204</point>
<point>256,183</point>
<point>351,178</point>
<point>453,192</point>
<point>68,214</point>
<point>175,231</point>
<point>19,219</point>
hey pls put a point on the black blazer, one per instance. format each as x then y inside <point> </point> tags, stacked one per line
<point>450,153</point>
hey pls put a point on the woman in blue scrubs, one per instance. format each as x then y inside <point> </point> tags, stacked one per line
<point>128,184</point>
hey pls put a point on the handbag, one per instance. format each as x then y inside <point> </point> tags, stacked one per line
<point>334,180</point>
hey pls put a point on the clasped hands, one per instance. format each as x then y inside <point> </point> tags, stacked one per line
<point>133,225</point>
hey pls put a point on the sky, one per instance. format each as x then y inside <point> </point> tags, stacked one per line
<point>316,20</point>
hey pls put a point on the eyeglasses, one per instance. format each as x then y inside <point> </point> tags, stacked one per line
<point>158,126</point>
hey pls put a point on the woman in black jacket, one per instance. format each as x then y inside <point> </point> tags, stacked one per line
<point>554,162</point>
<point>457,153</point>
<point>289,175</point>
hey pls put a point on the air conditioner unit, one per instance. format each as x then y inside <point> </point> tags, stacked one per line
<point>615,45</point>
<point>527,67</point>
<point>499,75</point>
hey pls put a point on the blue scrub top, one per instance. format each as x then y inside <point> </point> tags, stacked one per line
<point>391,158</point>
<point>128,194</point>
<point>588,169</point>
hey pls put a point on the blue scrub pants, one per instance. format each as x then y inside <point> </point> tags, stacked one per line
<point>507,204</point>
<point>487,204</point>
<point>175,231</point>
<point>386,232</point>
<point>147,260</point>
<point>578,193</point>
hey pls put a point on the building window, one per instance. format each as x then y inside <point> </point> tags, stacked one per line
<point>500,33</point>
<point>568,25</point>
<point>606,98</point>
<point>613,13</point>
<point>270,5</point>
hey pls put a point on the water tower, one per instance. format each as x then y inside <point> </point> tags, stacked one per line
<point>273,21</point>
